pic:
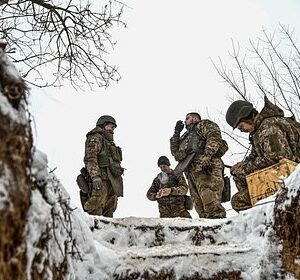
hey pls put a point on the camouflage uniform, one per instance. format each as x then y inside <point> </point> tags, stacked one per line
<point>204,138</point>
<point>170,206</point>
<point>274,138</point>
<point>102,159</point>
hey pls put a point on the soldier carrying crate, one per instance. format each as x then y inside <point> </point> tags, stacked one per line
<point>273,137</point>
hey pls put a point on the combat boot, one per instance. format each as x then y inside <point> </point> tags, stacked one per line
<point>215,212</point>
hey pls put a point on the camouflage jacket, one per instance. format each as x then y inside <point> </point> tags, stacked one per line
<point>103,159</point>
<point>210,142</point>
<point>177,184</point>
<point>274,138</point>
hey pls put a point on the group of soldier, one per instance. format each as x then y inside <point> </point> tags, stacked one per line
<point>198,151</point>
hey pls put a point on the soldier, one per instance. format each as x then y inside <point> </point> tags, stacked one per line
<point>169,191</point>
<point>102,161</point>
<point>272,136</point>
<point>200,150</point>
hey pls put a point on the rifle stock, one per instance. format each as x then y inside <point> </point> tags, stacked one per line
<point>183,165</point>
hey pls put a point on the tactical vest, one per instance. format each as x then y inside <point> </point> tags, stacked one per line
<point>109,160</point>
<point>110,156</point>
<point>190,142</point>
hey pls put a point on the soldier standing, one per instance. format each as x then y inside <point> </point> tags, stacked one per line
<point>200,150</point>
<point>272,136</point>
<point>103,163</point>
<point>169,191</point>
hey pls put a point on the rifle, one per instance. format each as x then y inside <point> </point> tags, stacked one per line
<point>183,165</point>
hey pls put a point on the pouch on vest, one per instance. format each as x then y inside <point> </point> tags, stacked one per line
<point>188,204</point>
<point>116,153</point>
<point>116,183</point>
<point>115,168</point>
<point>226,194</point>
<point>103,159</point>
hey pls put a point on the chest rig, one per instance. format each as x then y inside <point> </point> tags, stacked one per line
<point>108,153</point>
<point>191,142</point>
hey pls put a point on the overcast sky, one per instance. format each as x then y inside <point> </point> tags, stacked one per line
<point>164,59</point>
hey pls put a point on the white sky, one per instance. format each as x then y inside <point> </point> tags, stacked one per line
<point>164,59</point>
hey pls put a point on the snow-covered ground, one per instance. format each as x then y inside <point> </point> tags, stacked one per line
<point>113,248</point>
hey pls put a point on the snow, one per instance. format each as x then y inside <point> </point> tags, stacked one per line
<point>5,107</point>
<point>9,68</point>
<point>103,248</point>
<point>4,184</point>
<point>292,183</point>
<point>13,114</point>
<point>37,215</point>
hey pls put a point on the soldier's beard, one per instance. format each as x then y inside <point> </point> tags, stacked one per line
<point>189,126</point>
<point>108,136</point>
<point>163,177</point>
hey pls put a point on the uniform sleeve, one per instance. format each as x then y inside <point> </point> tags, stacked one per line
<point>212,134</point>
<point>174,144</point>
<point>273,146</point>
<point>181,188</point>
<point>151,193</point>
<point>93,146</point>
<point>252,155</point>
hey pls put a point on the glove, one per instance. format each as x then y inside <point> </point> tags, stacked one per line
<point>97,183</point>
<point>179,127</point>
<point>205,164</point>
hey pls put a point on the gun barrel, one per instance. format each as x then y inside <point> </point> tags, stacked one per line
<point>227,166</point>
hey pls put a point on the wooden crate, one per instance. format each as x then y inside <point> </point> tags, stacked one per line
<point>267,181</point>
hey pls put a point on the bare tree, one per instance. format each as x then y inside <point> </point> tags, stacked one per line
<point>70,40</point>
<point>271,67</point>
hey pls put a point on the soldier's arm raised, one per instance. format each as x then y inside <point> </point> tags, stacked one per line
<point>175,139</point>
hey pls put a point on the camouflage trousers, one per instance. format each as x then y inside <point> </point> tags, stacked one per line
<point>241,200</point>
<point>206,192</point>
<point>173,208</point>
<point>102,202</point>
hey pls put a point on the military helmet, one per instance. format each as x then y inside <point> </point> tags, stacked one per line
<point>238,110</point>
<point>106,119</point>
<point>163,160</point>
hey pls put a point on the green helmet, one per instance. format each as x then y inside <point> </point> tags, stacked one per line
<point>106,119</point>
<point>238,110</point>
